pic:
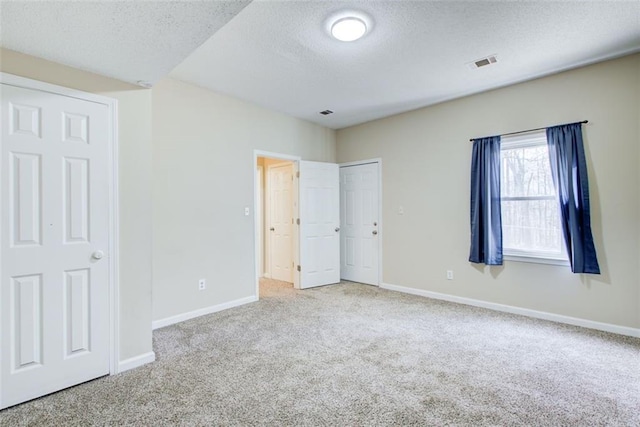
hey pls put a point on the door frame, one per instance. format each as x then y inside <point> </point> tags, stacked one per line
<point>266,203</point>
<point>256,227</point>
<point>113,196</point>
<point>377,161</point>
<point>260,218</point>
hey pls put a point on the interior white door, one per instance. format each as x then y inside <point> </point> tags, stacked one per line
<point>359,253</point>
<point>54,290</point>
<point>281,221</point>
<point>319,224</point>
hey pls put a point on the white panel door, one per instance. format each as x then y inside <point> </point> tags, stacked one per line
<point>359,255</point>
<point>319,224</point>
<point>54,289</point>
<point>281,222</point>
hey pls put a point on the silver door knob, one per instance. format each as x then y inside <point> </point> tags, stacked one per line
<point>374,232</point>
<point>272,229</point>
<point>337,229</point>
<point>97,255</point>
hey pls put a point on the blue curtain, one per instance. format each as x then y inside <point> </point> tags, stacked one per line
<point>569,171</point>
<point>486,227</point>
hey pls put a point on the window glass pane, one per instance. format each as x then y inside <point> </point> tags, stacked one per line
<point>526,172</point>
<point>531,222</point>
<point>532,225</point>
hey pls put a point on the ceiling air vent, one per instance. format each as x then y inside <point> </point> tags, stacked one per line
<point>326,112</point>
<point>483,62</point>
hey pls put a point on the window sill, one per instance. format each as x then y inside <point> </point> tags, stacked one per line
<point>536,260</point>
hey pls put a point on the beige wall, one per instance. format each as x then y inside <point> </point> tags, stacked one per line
<point>134,124</point>
<point>426,162</point>
<point>203,146</point>
<point>203,169</point>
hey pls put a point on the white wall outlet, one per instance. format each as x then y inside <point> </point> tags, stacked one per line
<point>400,210</point>
<point>202,284</point>
<point>449,274</point>
<point>246,211</point>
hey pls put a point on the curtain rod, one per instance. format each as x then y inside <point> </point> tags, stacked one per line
<point>531,130</point>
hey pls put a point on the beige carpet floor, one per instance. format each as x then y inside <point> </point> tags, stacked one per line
<point>356,355</point>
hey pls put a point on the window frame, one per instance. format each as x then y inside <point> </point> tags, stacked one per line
<point>530,139</point>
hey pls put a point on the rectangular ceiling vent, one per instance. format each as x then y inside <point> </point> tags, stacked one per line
<point>483,62</point>
<point>326,112</point>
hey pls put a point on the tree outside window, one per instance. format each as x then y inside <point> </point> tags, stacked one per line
<point>530,214</point>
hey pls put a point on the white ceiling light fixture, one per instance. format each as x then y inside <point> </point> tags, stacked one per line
<point>348,29</point>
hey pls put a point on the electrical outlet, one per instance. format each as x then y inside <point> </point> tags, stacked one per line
<point>449,274</point>
<point>202,284</point>
<point>246,211</point>
<point>400,210</point>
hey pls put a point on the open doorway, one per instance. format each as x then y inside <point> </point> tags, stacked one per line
<point>297,240</point>
<point>276,231</point>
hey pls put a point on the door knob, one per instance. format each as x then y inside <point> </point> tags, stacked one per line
<point>337,229</point>
<point>374,232</point>
<point>272,229</point>
<point>97,255</point>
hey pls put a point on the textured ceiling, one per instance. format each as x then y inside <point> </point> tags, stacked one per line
<point>279,54</point>
<point>126,40</point>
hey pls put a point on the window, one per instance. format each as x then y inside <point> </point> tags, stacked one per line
<point>531,229</point>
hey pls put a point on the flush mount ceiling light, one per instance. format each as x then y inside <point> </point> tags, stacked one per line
<point>348,29</point>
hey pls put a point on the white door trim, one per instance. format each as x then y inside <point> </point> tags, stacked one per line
<point>377,161</point>
<point>112,106</point>
<point>256,226</point>
<point>260,219</point>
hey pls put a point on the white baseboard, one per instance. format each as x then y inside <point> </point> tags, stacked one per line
<point>607,327</point>
<point>156,324</point>
<point>137,361</point>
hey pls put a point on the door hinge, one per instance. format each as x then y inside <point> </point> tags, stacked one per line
<point>298,174</point>
<point>298,221</point>
<point>299,269</point>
